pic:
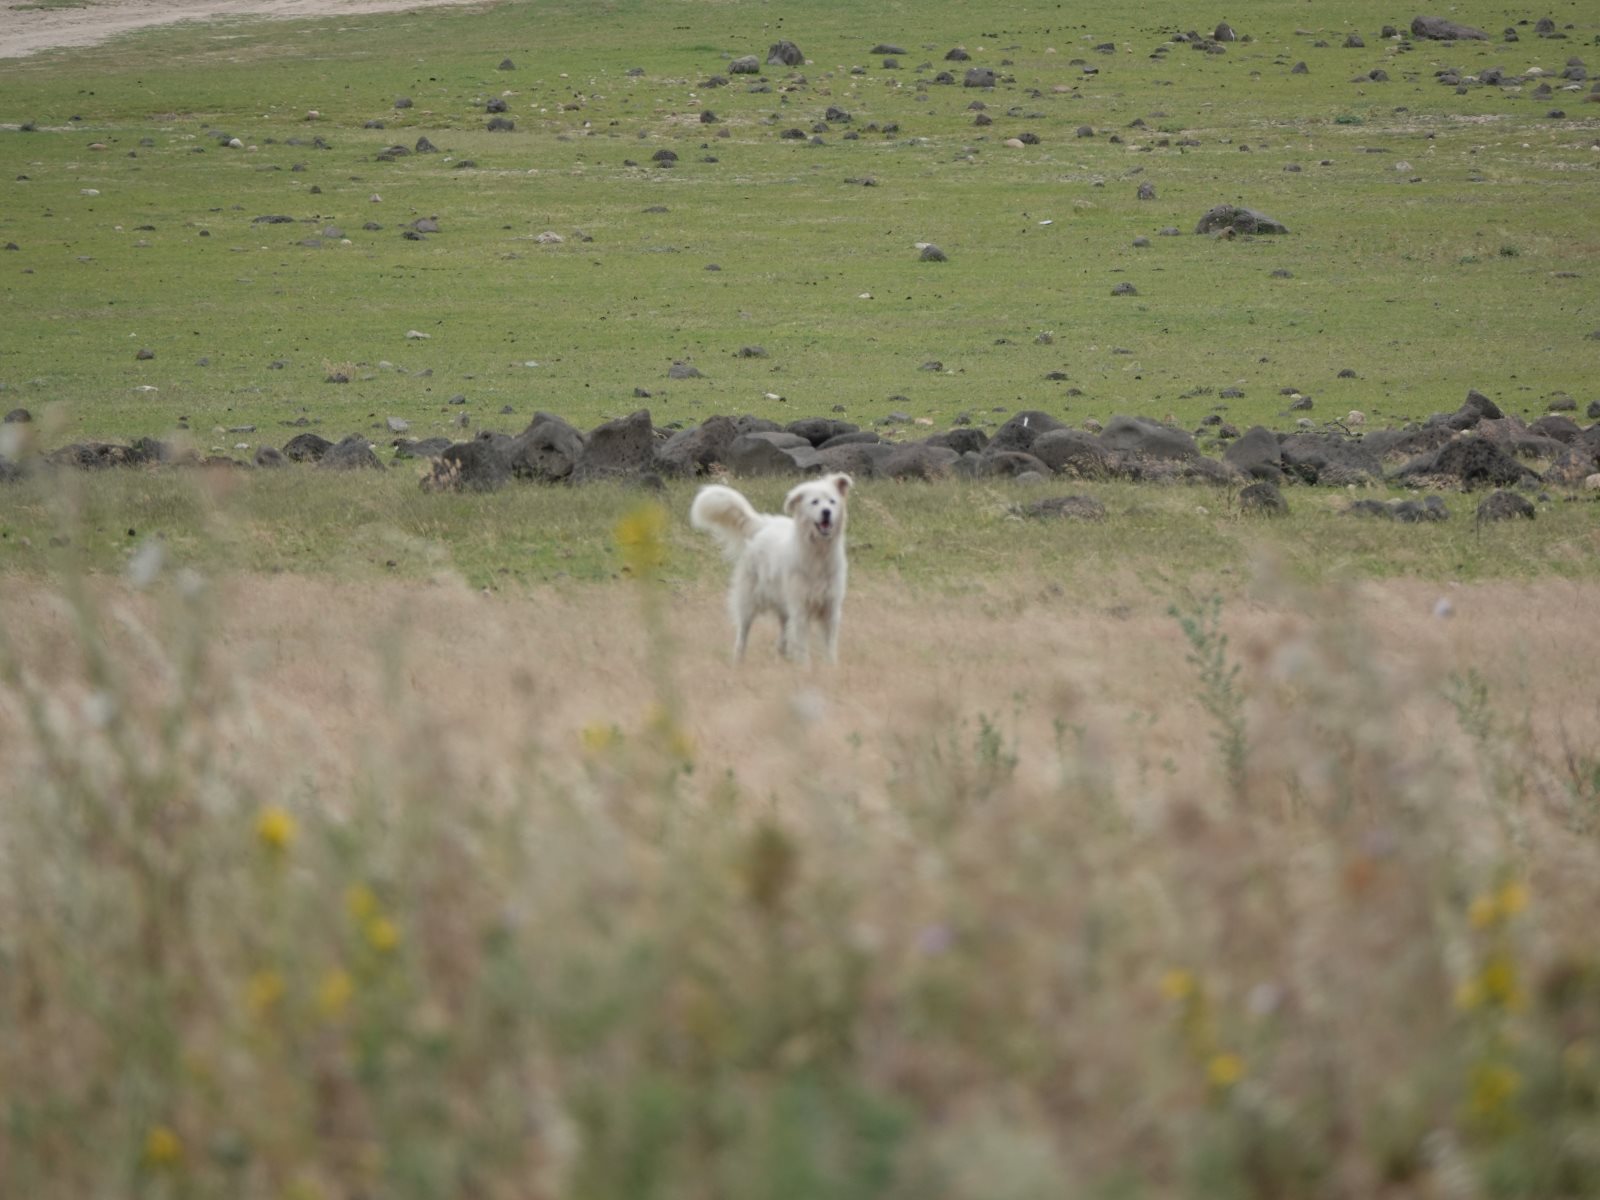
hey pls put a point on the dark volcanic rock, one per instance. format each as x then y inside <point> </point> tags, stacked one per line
<point>306,447</point>
<point>1441,30</point>
<point>919,460</point>
<point>1008,464</point>
<point>859,459</point>
<point>1019,432</point>
<point>480,465</point>
<point>1256,454</point>
<point>1475,461</point>
<point>757,454</point>
<point>270,456</point>
<point>694,451</point>
<point>1076,508</point>
<point>1072,452</point>
<point>1329,459</point>
<point>979,77</point>
<point>1239,220</point>
<point>18,416</point>
<point>1263,499</point>
<point>785,54</point>
<point>1147,438</point>
<point>546,451</point>
<point>818,430</point>
<point>1504,506</point>
<point>965,440</point>
<point>624,448</point>
<point>353,453</point>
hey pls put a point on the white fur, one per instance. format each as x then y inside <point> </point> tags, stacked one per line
<point>792,565</point>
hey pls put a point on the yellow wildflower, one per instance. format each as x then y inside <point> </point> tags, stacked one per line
<point>1224,1070</point>
<point>1513,898</point>
<point>1178,984</point>
<point>360,902</point>
<point>642,537</point>
<point>263,992</point>
<point>162,1147</point>
<point>381,933</point>
<point>598,737</point>
<point>1494,1086</point>
<point>1499,982</point>
<point>275,827</point>
<point>334,992</point>
<point>1483,912</point>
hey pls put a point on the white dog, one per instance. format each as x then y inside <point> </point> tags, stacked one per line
<point>792,565</point>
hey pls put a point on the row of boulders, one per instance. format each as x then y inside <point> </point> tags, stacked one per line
<point>1476,446</point>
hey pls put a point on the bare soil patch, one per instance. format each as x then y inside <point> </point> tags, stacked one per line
<point>329,674</point>
<point>25,30</point>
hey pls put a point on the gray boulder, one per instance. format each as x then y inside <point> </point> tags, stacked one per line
<point>1072,452</point>
<point>1147,438</point>
<point>694,451</point>
<point>861,460</point>
<point>1074,508</point>
<point>476,466</point>
<point>1441,30</point>
<point>1263,499</point>
<point>1329,459</point>
<point>1475,461</point>
<point>353,453</point>
<point>306,447</point>
<point>785,54</point>
<point>1008,464</point>
<point>962,440</point>
<point>919,460</point>
<point>818,430</point>
<point>620,449</point>
<point>756,454</point>
<point>1019,432</point>
<point>1239,220</point>
<point>1256,454</point>
<point>747,64</point>
<point>1504,506</point>
<point>546,451</point>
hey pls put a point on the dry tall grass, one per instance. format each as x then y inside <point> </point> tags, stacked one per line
<point>334,890</point>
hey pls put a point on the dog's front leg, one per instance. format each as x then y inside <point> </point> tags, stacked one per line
<point>796,637</point>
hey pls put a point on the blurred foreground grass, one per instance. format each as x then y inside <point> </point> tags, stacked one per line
<point>1024,952</point>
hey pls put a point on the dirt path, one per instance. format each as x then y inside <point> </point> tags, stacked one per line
<point>25,31</point>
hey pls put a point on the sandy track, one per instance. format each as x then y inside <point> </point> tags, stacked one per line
<point>28,31</point>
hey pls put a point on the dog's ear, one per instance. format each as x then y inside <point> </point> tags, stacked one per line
<point>843,483</point>
<point>792,500</point>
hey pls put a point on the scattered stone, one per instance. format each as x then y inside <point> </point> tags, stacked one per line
<point>353,453</point>
<point>682,370</point>
<point>1073,508</point>
<point>785,54</point>
<point>306,447</point>
<point>18,416</point>
<point>932,253</point>
<point>1124,289</point>
<point>1504,506</point>
<point>1441,30</point>
<point>1263,499</point>
<point>621,448</point>
<point>1225,217</point>
<point>979,77</point>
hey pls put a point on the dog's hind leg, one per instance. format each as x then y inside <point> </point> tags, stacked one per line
<point>741,633</point>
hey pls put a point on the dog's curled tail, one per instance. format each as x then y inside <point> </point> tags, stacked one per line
<point>725,515</point>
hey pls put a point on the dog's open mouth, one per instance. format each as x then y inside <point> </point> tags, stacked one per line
<point>825,523</point>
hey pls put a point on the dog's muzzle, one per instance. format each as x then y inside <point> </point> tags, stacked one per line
<point>825,522</point>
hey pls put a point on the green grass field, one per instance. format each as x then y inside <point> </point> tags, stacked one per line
<point>1463,269</point>
<point>359,842</point>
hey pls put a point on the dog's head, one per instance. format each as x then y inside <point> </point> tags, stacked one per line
<point>817,505</point>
